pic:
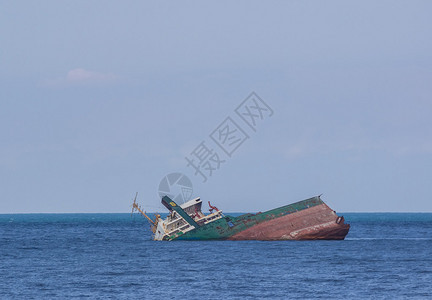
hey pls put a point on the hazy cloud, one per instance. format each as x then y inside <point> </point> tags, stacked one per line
<point>80,76</point>
<point>85,76</point>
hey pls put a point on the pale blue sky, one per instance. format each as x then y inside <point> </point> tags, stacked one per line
<point>100,99</point>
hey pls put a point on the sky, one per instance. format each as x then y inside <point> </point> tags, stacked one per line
<point>103,99</point>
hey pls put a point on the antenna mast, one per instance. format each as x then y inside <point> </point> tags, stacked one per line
<point>136,207</point>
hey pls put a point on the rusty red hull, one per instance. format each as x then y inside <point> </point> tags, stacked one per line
<point>315,223</point>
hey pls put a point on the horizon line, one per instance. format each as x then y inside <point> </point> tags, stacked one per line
<point>231,212</point>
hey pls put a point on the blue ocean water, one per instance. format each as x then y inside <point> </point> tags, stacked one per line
<point>54,256</point>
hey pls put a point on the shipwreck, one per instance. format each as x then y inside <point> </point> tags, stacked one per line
<point>310,219</point>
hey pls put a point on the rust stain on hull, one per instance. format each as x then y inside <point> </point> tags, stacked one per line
<point>315,223</point>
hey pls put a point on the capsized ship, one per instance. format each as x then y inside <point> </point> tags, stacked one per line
<point>310,219</point>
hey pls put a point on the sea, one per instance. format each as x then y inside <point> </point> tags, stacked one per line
<point>112,256</point>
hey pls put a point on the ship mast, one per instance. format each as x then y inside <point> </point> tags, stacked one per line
<point>135,206</point>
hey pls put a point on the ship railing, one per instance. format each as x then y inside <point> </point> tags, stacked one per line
<point>213,216</point>
<point>206,219</point>
<point>174,221</point>
<point>183,228</point>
